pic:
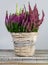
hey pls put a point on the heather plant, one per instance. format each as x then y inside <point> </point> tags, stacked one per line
<point>24,21</point>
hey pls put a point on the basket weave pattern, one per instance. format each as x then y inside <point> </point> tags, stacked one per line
<point>24,43</point>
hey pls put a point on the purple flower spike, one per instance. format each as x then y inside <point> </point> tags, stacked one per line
<point>6,18</point>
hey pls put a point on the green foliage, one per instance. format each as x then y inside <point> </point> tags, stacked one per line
<point>35,30</point>
<point>14,27</point>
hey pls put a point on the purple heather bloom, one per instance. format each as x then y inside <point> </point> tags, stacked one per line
<point>6,18</point>
<point>41,20</point>
<point>30,10</point>
<point>10,17</point>
<point>21,18</point>
<point>29,20</point>
<point>36,15</point>
<point>13,18</point>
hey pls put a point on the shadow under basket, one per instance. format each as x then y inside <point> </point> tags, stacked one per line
<point>24,43</point>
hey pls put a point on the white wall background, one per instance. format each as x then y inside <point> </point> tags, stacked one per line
<point>10,5</point>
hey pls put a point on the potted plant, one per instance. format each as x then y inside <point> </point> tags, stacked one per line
<point>24,26</point>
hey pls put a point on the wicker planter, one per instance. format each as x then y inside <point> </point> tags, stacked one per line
<point>24,43</point>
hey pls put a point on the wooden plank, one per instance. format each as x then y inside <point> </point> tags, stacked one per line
<point>9,57</point>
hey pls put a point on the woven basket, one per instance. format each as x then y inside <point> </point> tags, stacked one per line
<point>24,43</point>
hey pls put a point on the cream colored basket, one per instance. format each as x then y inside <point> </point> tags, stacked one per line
<point>24,43</point>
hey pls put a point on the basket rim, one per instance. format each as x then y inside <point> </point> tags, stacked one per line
<point>25,33</point>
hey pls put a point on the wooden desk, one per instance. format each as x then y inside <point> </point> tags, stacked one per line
<point>7,57</point>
